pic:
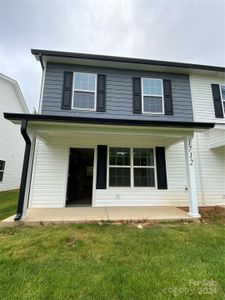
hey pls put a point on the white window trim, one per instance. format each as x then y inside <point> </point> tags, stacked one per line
<point>131,166</point>
<point>88,91</point>
<point>142,97</point>
<point>223,101</point>
<point>119,166</point>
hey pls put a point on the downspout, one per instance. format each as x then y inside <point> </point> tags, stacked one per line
<point>23,181</point>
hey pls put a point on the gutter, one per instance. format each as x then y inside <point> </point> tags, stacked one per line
<point>105,121</point>
<point>20,205</point>
<point>119,59</point>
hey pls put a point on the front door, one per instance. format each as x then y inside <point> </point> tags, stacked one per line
<point>80,177</point>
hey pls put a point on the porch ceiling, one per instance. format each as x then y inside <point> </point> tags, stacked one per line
<point>90,133</point>
<point>50,128</point>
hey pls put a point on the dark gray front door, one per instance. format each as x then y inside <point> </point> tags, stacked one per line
<point>80,177</point>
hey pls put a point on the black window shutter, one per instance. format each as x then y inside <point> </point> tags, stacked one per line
<point>168,99</point>
<point>101,87</point>
<point>67,90</point>
<point>217,101</point>
<point>136,95</point>
<point>101,167</point>
<point>161,168</point>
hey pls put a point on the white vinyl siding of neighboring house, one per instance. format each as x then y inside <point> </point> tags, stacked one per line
<point>11,142</point>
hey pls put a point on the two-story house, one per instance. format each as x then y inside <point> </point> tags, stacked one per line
<point>12,144</point>
<point>115,131</point>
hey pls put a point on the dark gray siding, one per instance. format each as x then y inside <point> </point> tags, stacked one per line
<point>119,102</point>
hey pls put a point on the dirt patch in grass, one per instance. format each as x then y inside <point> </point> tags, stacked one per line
<point>210,214</point>
<point>213,214</point>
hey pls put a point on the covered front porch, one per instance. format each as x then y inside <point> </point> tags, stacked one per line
<point>37,216</point>
<point>49,140</point>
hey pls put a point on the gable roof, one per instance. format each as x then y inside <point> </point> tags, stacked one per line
<point>17,90</point>
<point>122,62</point>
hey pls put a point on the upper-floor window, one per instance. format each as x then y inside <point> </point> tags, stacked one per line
<point>84,91</point>
<point>152,96</point>
<point>2,168</point>
<point>222,88</point>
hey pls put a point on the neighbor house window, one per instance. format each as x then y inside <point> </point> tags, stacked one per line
<point>222,88</point>
<point>152,96</point>
<point>2,168</point>
<point>144,167</point>
<point>84,91</point>
<point>133,167</point>
<point>119,167</point>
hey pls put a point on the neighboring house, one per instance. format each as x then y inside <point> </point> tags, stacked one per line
<point>12,144</point>
<point>115,131</point>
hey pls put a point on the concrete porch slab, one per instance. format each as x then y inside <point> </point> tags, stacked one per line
<point>37,216</point>
<point>146,213</point>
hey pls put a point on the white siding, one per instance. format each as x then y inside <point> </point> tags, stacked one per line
<point>11,142</point>
<point>212,171</point>
<point>211,177</point>
<point>202,99</point>
<point>175,195</point>
<point>49,179</point>
<point>216,137</point>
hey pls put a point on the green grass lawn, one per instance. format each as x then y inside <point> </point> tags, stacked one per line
<point>112,262</point>
<point>164,261</point>
<point>8,203</point>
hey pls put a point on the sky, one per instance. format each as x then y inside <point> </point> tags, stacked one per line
<point>191,31</point>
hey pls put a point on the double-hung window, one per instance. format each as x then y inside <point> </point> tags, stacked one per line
<point>222,88</point>
<point>2,168</point>
<point>131,167</point>
<point>144,167</point>
<point>84,91</point>
<point>119,167</point>
<point>152,96</point>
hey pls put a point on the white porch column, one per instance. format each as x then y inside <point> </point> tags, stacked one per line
<point>191,180</point>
